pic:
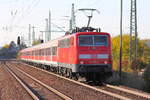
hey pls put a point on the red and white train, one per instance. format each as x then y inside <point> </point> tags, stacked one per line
<point>86,53</point>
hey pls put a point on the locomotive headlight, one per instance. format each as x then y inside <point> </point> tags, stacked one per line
<point>81,62</point>
<point>105,62</point>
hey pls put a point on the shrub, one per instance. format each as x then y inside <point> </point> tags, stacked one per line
<point>147,76</point>
<point>138,64</point>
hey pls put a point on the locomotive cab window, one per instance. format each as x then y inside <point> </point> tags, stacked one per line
<point>85,40</point>
<point>93,40</point>
<point>100,40</point>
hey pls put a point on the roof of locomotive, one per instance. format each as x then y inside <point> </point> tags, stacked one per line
<point>55,41</point>
<point>103,33</point>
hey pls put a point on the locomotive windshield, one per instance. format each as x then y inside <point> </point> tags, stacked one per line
<point>93,40</point>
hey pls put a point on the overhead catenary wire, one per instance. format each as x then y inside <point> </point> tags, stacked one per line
<point>28,10</point>
<point>58,27</point>
<point>96,2</point>
<point>15,12</point>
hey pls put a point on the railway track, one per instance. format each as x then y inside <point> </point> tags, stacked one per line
<point>137,94</point>
<point>47,92</point>
<point>133,95</point>
<point>113,91</point>
<point>10,88</point>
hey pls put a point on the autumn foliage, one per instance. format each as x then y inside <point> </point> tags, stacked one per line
<point>134,65</point>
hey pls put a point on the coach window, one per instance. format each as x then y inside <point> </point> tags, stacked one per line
<point>54,51</point>
<point>42,52</point>
<point>28,53</point>
<point>48,51</point>
<point>37,52</point>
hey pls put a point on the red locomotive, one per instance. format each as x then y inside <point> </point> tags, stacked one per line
<point>84,53</point>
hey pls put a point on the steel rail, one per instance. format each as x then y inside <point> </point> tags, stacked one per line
<point>46,86</point>
<point>129,91</point>
<point>85,85</point>
<point>22,84</point>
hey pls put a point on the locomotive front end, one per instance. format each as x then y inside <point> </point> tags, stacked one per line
<point>94,54</point>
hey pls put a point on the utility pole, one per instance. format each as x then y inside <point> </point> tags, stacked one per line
<point>46,30</point>
<point>133,31</point>
<point>29,37</point>
<point>33,34</point>
<point>73,18</point>
<point>121,16</point>
<point>49,26</point>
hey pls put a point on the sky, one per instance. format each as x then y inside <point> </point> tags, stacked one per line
<point>16,15</point>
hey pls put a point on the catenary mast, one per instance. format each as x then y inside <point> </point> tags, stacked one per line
<point>72,20</point>
<point>133,31</point>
